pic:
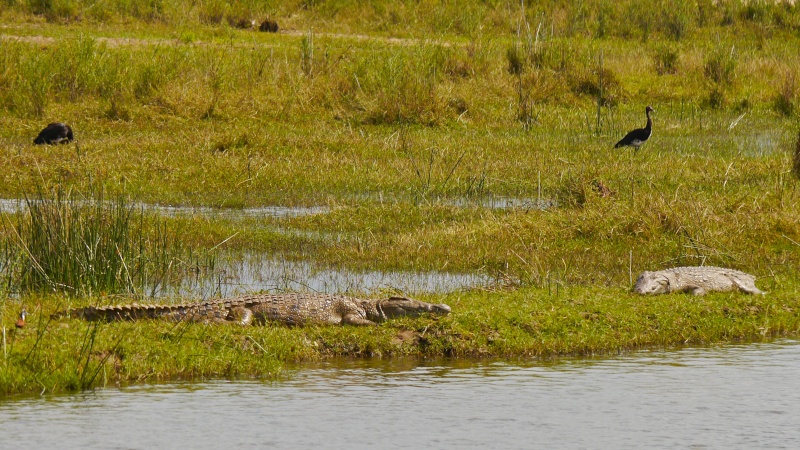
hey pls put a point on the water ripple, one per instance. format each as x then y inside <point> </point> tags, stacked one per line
<point>741,396</point>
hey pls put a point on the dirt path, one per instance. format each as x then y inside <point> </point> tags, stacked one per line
<point>134,42</point>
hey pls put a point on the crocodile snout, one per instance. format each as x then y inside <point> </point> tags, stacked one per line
<point>440,309</point>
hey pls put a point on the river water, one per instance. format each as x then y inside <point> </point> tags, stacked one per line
<point>743,396</point>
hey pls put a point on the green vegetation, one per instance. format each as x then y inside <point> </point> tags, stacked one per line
<point>81,246</point>
<point>403,119</point>
<point>71,354</point>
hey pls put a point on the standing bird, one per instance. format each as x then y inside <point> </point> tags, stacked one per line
<point>20,323</point>
<point>638,136</point>
<point>55,133</point>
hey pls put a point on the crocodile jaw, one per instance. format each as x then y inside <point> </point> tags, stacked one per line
<point>406,307</point>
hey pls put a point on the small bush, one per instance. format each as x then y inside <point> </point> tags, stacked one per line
<point>516,60</point>
<point>591,82</point>
<point>796,158</point>
<point>456,63</point>
<point>401,88</point>
<point>54,11</point>
<point>785,98</point>
<point>716,98</point>
<point>573,192</point>
<point>559,56</point>
<point>756,11</point>
<point>720,66</point>
<point>213,12</point>
<point>677,21</point>
<point>666,60</point>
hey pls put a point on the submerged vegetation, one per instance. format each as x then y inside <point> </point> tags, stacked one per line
<point>403,121</point>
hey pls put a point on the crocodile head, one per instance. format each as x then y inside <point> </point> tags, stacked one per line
<point>406,307</point>
<point>651,283</point>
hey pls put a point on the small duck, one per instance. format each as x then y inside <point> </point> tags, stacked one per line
<point>20,323</point>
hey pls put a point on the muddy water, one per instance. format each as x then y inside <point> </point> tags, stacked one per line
<point>742,396</point>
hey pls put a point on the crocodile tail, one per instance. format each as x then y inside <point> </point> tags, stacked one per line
<point>119,312</point>
<point>83,313</point>
<point>59,314</point>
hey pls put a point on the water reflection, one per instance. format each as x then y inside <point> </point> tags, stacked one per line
<point>254,273</point>
<point>13,206</point>
<point>491,202</point>
<point>497,202</point>
<point>729,397</point>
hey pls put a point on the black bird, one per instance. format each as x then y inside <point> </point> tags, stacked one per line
<point>638,136</point>
<point>55,133</point>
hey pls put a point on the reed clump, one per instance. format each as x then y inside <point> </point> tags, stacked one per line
<point>85,245</point>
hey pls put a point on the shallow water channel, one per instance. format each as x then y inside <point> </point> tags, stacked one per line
<point>256,273</point>
<point>236,274</point>
<point>742,396</point>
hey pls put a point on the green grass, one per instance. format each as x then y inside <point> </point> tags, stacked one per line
<point>554,321</point>
<point>401,117</point>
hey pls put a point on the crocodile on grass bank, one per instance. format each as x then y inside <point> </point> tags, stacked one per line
<point>291,309</point>
<point>696,280</point>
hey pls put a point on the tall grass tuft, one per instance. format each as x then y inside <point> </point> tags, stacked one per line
<point>677,20</point>
<point>720,65</point>
<point>785,98</point>
<point>796,158</point>
<point>85,246</point>
<point>307,54</point>
<point>402,88</point>
<point>666,59</point>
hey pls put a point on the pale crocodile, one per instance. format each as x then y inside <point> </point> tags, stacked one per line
<point>697,280</point>
<point>291,309</point>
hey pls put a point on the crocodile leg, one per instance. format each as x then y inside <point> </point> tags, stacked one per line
<point>355,319</point>
<point>695,290</point>
<point>241,315</point>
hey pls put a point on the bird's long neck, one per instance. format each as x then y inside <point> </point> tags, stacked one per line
<point>649,125</point>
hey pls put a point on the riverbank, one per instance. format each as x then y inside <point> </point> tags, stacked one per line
<point>71,354</point>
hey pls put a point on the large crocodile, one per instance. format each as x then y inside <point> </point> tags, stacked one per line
<point>697,280</point>
<point>291,309</point>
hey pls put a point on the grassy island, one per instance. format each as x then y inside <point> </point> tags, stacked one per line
<point>445,137</point>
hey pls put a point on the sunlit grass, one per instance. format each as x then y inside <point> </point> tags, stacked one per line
<point>555,320</point>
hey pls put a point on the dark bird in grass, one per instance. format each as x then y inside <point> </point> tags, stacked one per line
<point>55,133</point>
<point>269,26</point>
<point>638,136</point>
<point>20,323</point>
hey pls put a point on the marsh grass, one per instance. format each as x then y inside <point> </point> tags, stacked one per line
<point>84,245</point>
<point>673,20</point>
<point>439,172</point>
